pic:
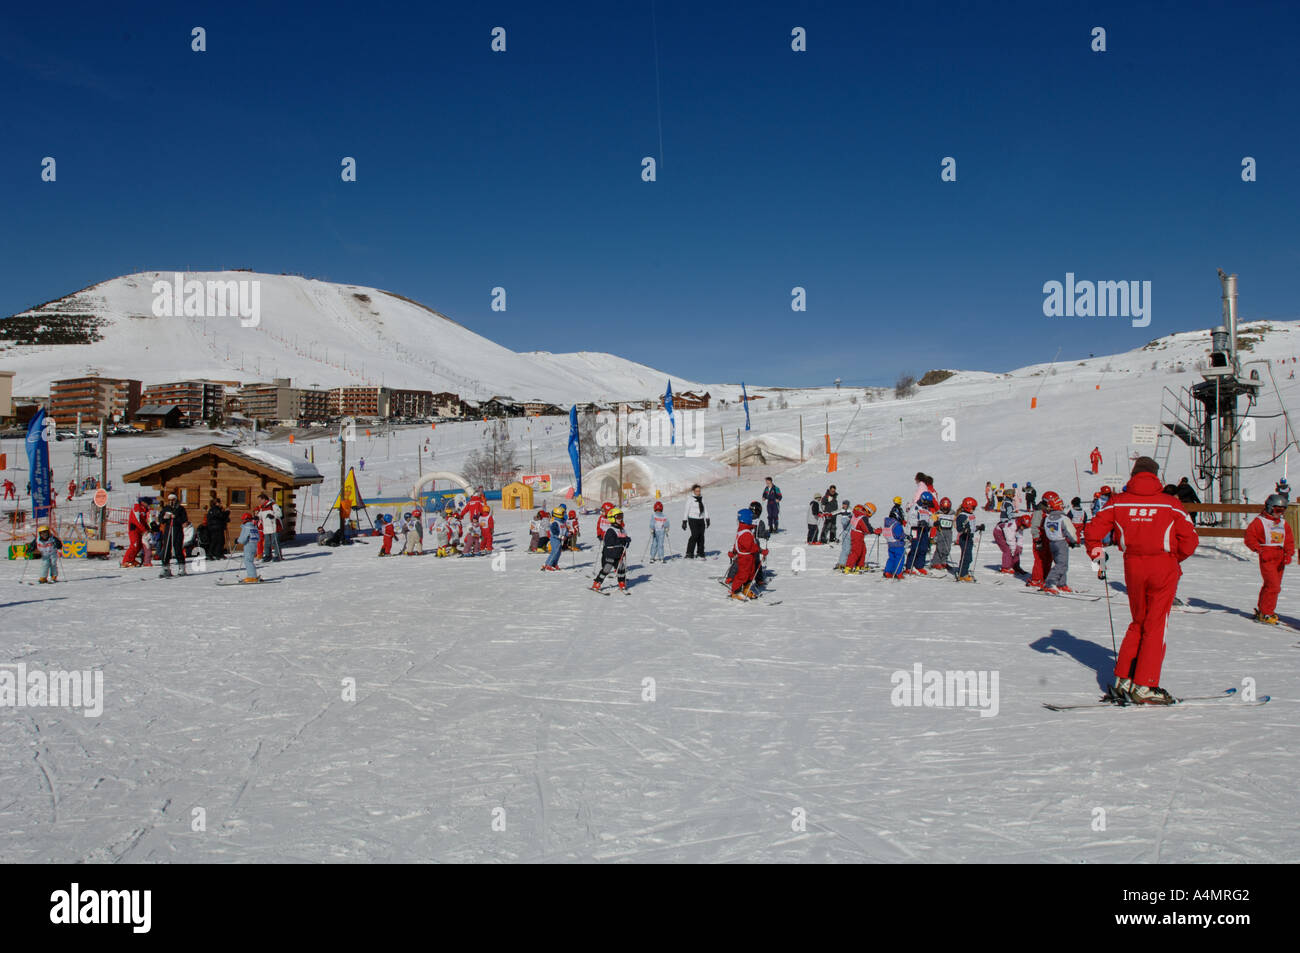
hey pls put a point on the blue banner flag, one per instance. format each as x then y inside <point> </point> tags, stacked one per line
<point>573,449</point>
<point>672,419</point>
<point>38,466</point>
<point>744,396</point>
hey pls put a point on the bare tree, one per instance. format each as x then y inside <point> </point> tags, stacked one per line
<point>905,386</point>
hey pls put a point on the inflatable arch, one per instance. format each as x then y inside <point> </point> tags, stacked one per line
<point>429,478</point>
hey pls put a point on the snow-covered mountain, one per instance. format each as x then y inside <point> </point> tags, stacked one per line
<point>315,332</point>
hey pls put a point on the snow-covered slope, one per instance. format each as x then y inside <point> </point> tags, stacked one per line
<point>316,333</point>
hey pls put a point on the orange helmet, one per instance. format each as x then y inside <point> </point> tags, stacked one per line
<point>870,508</point>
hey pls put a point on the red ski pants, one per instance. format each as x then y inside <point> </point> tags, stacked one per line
<point>857,551</point>
<point>1152,583</point>
<point>1271,568</point>
<point>1042,561</point>
<point>746,564</point>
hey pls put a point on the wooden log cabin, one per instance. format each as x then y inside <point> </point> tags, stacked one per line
<point>236,476</point>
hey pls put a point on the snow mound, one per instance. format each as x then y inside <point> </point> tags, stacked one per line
<point>768,448</point>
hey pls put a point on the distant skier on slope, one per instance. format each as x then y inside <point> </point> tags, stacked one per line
<point>1269,536</point>
<point>1156,535</point>
<point>772,497</point>
<point>1095,459</point>
<point>613,554</point>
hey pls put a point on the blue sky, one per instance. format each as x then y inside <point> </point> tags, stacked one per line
<point>817,169</point>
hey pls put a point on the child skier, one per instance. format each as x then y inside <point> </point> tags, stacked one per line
<point>658,532</point>
<point>746,553</point>
<point>488,526</point>
<point>248,538</point>
<point>1061,537</point>
<point>47,547</point>
<point>895,542</point>
<point>473,536</point>
<point>613,554</point>
<point>573,533</point>
<point>1269,535</point>
<point>844,518</point>
<point>965,528</point>
<point>535,527</point>
<point>922,513</point>
<point>1042,549</point>
<point>944,521</point>
<point>556,532</point>
<point>814,519</point>
<point>390,535</point>
<point>859,530</point>
<point>1007,535</point>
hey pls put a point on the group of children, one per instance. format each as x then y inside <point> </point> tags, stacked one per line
<point>464,532</point>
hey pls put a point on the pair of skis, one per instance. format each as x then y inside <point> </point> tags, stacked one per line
<point>1228,694</point>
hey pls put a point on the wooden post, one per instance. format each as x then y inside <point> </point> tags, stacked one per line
<point>801,438</point>
<point>343,475</point>
<point>737,451</point>
<point>722,435</point>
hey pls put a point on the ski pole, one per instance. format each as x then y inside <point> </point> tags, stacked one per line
<point>979,538</point>
<point>1101,574</point>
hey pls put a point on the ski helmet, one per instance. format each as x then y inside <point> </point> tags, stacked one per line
<point>898,501</point>
<point>945,505</point>
<point>615,515</point>
<point>1283,486</point>
<point>606,507</point>
<point>558,512</point>
<point>1053,500</point>
<point>1275,504</point>
<point>756,508</point>
<point>870,508</point>
<point>659,507</point>
<point>968,505</point>
<point>927,499</point>
<point>860,510</point>
<point>43,529</point>
<point>1024,520</point>
<point>746,517</point>
<point>1106,491</point>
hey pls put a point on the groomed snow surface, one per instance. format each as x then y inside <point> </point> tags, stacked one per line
<point>489,691</point>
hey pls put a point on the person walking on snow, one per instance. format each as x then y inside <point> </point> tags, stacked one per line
<point>390,535</point>
<point>248,534</point>
<point>658,532</point>
<point>1269,536</point>
<point>772,497</point>
<point>830,505</point>
<point>1061,536</point>
<point>1095,459</point>
<point>1031,495</point>
<point>9,490</point>
<point>1155,534</point>
<point>746,552</point>
<point>696,519</point>
<point>137,525</point>
<point>814,519</point>
<point>613,554</point>
<point>47,547</point>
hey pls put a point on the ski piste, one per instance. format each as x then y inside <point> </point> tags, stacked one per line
<point>1228,694</point>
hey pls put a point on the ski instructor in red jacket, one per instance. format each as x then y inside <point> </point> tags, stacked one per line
<point>1155,534</point>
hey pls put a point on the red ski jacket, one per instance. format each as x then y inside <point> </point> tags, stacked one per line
<point>1146,522</point>
<point>1269,532</point>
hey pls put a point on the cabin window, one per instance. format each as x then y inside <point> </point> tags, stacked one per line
<point>238,497</point>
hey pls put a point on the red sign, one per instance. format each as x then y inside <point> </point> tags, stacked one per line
<point>101,497</point>
<point>538,481</point>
